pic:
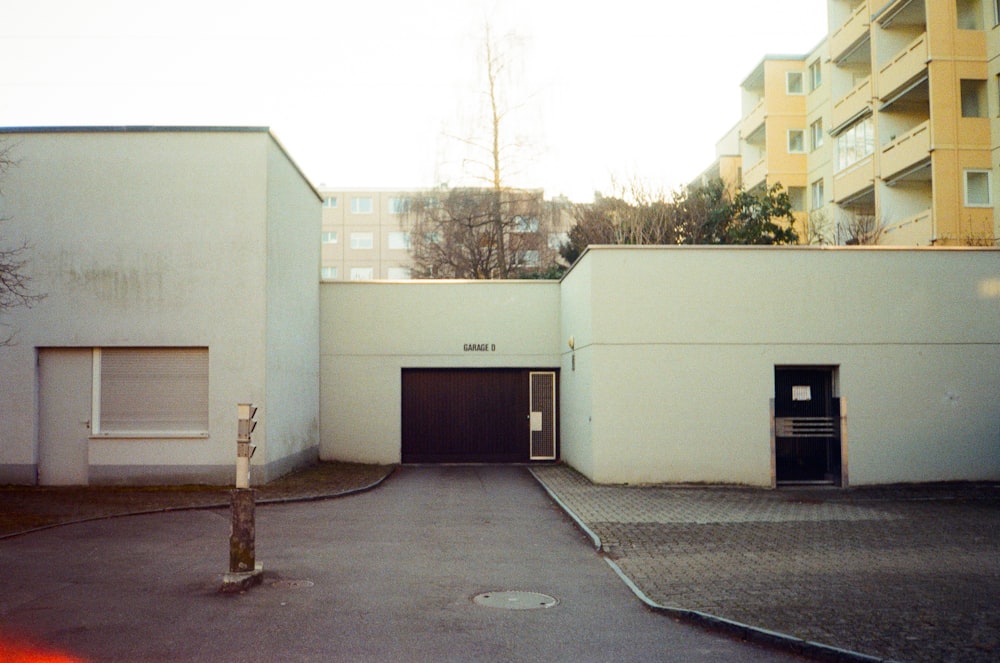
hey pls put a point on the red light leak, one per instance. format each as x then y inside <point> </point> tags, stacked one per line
<point>21,651</point>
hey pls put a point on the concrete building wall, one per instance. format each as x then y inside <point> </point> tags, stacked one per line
<point>371,331</point>
<point>291,401</point>
<point>152,238</point>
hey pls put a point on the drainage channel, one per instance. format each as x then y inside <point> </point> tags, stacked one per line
<point>515,600</point>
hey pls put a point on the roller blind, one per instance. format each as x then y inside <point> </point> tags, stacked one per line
<point>154,390</point>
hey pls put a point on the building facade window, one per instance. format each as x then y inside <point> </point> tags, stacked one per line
<point>816,194</point>
<point>797,197</point>
<point>362,240</point>
<point>362,205</point>
<point>148,391</point>
<point>796,141</point>
<point>525,224</point>
<point>399,241</point>
<point>794,83</point>
<point>558,240</point>
<point>970,14</point>
<point>977,189</point>
<point>330,202</point>
<point>399,205</point>
<point>973,92</point>
<point>816,134</point>
<point>362,273</point>
<point>855,143</point>
<point>330,237</point>
<point>527,258</point>
<point>398,273</point>
<point>328,273</point>
<point>815,75</point>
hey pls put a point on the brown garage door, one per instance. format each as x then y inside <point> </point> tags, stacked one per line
<point>474,415</point>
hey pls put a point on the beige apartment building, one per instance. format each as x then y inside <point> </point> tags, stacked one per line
<point>887,132</point>
<point>366,233</point>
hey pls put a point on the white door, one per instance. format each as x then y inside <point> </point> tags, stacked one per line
<point>64,401</point>
<point>542,396</point>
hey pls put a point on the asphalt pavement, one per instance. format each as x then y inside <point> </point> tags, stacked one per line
<point>406,572</point>
<point>412,568</point>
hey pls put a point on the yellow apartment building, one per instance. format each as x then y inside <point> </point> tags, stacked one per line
<point>773,132</point>
<point>891,126</point>
<point>366,233</point>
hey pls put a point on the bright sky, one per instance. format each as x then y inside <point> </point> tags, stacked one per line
<point>368,95</point>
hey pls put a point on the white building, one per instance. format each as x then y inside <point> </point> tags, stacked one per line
<point>180,273</point>
<point>180,268</point>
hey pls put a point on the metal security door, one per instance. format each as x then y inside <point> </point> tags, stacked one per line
<point>806,427</point>
<point>543,415</point>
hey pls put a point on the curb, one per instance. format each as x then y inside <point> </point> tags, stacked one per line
<point>206,507</point>
<point>755,634</point>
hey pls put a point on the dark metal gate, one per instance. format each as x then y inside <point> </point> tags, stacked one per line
<point>807,431</point>
<point>477,415</point>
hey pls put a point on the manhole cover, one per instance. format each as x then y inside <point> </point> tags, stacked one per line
<point>292,584</point>
<point>515,600</point>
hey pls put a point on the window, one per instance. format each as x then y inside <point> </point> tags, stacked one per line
<point>855,143</point>
<point>793,82</point>
<point>796,141</point>
<point>362,240</point>
<point>398,273</point>
<point>399,241</point>
<point>816,75</point>
<point>977,188</point>
<point>362,205</point>
<point>328,273</point>
<point>330,237</point>
<point>970,14</point>
<point>399,205</point>
<point>973,97</point>
<point>330,201</point>
<point>816,194</point>
<point>527,258</point>
<point>152,391</point>
<point>558,240</point>
<point>816,134</point>
<point>362,273</point>
<point>525,224</point>
<point>797,197</point>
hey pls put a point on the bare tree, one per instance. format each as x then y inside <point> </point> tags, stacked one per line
<point>482,232</point>
<point>862,228</point>
<point>15,283</point>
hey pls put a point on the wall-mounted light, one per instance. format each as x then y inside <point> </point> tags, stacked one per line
<point>571,343</point>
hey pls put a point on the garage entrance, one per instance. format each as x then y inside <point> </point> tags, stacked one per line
<point>494,415</point>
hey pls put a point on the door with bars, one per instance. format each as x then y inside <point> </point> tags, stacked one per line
<point>543,415</point>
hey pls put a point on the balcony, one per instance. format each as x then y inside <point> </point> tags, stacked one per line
<point>903,68</point>
<point>850,34</point>
<point>905,152</point>
<point>854,104</point>
<point>755,174</point>
<point>854,180</point>
<point>753,119</point>
<point>916,230</point>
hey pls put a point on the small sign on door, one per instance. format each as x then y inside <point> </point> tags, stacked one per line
<point>801,392</point>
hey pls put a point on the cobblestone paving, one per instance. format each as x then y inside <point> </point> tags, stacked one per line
<point>905,573</point>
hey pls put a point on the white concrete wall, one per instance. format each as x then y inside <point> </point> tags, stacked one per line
<point>371,331</point>
<point>685,341</point>
<point>153,238</point>
<point>291,407</point>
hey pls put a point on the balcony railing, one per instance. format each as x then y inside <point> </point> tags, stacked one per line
<point>916,230</point>
<point>906,151</point>
<point>853,104</point>
<point>755,174</point>
<point>903,67</point>
<point>854,180</point>
<point>754,118</point>
<point>850,33</point>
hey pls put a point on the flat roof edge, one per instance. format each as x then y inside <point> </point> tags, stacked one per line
<point>74,129</point>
